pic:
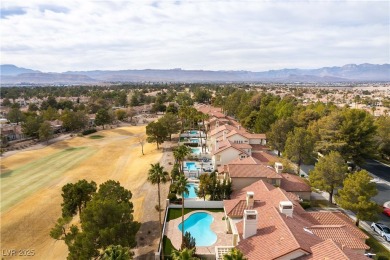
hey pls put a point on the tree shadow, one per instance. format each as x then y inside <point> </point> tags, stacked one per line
<point>148,237</point>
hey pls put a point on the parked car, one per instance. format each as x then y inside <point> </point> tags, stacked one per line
<point>382,230</point>
<point>386,211</point>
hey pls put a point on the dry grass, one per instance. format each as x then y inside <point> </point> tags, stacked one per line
<point>31,183</point>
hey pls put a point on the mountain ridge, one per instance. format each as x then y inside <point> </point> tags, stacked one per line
<point>347,73</point>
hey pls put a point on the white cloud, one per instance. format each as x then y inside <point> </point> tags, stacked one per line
<point>217,35</point>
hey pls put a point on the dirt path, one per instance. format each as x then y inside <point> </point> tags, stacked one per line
<point>31,183</point>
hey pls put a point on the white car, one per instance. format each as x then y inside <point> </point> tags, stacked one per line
<point>382,230</point>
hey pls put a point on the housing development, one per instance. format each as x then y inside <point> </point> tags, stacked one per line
<point>207,170</point>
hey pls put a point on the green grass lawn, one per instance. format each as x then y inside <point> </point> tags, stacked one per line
<point>16,184</point>
<point>168,247</point>
<point>176,213</point>
<point>376,247</point>
<point>96,137</point>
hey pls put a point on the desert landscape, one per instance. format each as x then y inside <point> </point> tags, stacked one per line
<point>31,183</point>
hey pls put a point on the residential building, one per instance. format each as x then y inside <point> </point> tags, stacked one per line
<point>269,223</point>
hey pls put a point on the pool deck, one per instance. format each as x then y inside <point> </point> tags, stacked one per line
<point>218,226</point>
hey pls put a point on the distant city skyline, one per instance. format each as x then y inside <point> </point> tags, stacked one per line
<point>207,35</point>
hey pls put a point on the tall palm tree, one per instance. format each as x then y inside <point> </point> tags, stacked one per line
<point>157,175</point>
<point>181,186</point>
<point>116,252</point>
<point>234,254</point>
<point>180,153</point>
<point>184,254</point>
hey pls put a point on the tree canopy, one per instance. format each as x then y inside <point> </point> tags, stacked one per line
<point>356,195</point>
<point>329,173</point>
<point>106,221</point>
<point>156,133</point>
<point>299,146</point>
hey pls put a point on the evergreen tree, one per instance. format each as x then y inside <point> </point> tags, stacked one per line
<point>329,173</point>
<point>299,147</point>
<point>356,195</point>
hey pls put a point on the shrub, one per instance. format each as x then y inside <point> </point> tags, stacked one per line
<point>172,197</point>
<point>305,204</point>
<point>89,131</point>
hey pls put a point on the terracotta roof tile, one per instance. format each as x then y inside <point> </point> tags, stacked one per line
<point>329,249</point>
<point>264,157</point>
<point>244,161</point>
<point>339,234</point>
<point>334,218</point>
<point>278,235</point>
<point>293,183</point>
<point>252,171</point>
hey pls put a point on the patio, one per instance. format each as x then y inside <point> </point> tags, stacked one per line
<point>218,226</point>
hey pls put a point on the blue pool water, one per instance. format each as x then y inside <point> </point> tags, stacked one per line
<point>194,140</point>
<point>195,150</point>
<point>191,191</point>
<point>191,166</point>
<point>193,132</point>
<point>198,224</point>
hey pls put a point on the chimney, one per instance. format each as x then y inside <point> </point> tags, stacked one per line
<point>278,167</point>
<point>250,199</point>
<point>286,207</point>
<point>216,144</point>
<point>250,223</point>
<point>239,127</point>
<point>224,136</point>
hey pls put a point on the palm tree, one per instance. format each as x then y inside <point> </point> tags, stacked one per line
<point>181,186</point>
<point>157,175</point>
<point>116,253</point>
<point>184,254</point>
<point>234,254</point>
<point>180,153</point>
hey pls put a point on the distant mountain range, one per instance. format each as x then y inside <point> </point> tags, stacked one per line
<point>11,74</point>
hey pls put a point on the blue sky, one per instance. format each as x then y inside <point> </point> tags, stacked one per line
<point>199,34</point>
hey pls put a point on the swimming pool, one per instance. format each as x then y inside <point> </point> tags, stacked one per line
<point>191,166</point>
<point>195,150</point>
<point>198,224</point>
<point>191,191</point>
<point>193,132</point>
<point>194,140</point>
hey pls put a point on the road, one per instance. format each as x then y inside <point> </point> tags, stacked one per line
<point>380,170</point>
<point>382,180</point>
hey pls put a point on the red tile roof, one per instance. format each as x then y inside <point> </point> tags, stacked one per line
<point>220,129</point>
<point>293,183</point>
<point>247,160</point>
<point>278,235</point>
<point>334,218</point>
<point>264,157</point>
<point>339,234</point>
<point>252,171</point>
<point>329,249</point>
<point>223,145</point>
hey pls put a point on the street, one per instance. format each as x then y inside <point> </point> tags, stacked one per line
<point>380,170</point>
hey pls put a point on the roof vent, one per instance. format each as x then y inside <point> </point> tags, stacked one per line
<point>287,208</point>
<point>250,195</point>
<point>250,223</point>
<point>278,167</point>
